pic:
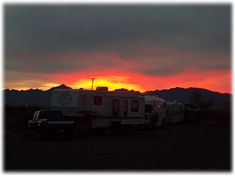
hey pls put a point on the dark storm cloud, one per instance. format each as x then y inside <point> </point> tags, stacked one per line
<point>37,30</point>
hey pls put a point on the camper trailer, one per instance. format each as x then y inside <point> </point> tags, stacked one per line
<point>155,111</point>
<point>175,112</point>
<point>99,108</point>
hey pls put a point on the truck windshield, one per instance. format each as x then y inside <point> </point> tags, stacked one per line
<point>51,115</point>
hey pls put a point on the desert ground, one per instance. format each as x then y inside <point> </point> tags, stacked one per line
<point>188,146</point>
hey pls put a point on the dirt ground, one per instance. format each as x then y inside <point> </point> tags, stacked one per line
<point>182,147</point>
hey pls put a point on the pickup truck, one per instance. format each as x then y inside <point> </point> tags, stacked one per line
<point>46,123</point>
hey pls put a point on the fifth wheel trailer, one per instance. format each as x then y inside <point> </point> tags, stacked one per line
<point>99,108</point>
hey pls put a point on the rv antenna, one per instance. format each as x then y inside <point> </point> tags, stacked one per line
<point>92,81</point>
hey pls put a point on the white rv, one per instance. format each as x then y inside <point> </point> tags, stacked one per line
<point>155,111</point>
<point>99,108</point>
<point>175,111</point>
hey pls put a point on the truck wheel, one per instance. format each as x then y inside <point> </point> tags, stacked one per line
<point>29,134</point>
<point>40,135</point>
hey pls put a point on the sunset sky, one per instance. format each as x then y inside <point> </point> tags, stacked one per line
<point>140,47</point>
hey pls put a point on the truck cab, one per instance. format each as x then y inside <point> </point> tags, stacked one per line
<point>48,122</point>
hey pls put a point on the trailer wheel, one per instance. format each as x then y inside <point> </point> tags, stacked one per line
<point>117,128</point>
<point>164,122</point>
<point>142,127</point>
<point>69,133</point>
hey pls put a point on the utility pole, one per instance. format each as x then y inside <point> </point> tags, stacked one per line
<point>92,81</point>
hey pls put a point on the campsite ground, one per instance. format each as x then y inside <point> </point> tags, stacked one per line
<point>183,147</point>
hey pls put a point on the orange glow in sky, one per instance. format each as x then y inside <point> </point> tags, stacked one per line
<point>219,81</point>
<point>101,42</point>
<point>112,82</point>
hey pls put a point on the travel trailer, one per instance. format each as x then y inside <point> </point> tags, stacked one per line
<point>192,112</point>
<point>175,112</point>
<point>99,108</point>
<point>155,111</point>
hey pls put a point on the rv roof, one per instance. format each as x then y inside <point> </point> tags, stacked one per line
<point>150,99</point>
<point>82,91</point>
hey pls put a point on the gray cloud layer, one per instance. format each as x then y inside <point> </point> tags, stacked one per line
<point>35,31</point>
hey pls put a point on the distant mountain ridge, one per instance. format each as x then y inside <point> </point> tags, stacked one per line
<point>184,95</point>
<point>43,98</point>
<point>34,97</point>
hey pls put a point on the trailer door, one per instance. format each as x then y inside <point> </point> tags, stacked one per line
<point>125,108</point>
<point>116,107</point>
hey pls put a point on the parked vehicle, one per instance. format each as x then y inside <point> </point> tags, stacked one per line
<point>100,108</point>
<point>175,112</point>
<point>155,111</point>
<point>49,122</point>
<point>192,112</point>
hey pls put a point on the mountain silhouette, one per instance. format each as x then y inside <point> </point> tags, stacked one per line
<point>184,95</point>
<point>38,97</point>
<point>34,97</point>
<point>62,86</point>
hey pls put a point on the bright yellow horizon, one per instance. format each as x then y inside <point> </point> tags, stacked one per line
<point>113,83</point>
<point>127,81</point>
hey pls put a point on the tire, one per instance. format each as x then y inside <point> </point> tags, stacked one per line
<point>164,122</point>
<point>41,134</point>
<point>142,127</point>
<point>69,134</point>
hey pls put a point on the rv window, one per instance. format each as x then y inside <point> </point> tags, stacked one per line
<point>134,106</point>
<point>97,100</point>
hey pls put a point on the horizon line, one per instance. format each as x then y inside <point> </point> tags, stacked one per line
<point>119,89</point>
